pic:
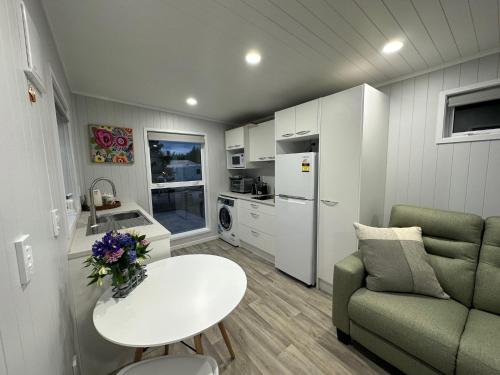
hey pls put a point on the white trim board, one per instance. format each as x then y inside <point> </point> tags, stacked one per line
<point>460,60</point>
<point>154,108</point>
<point>261,254</point>
<point>325,286</point>
<point>193,242</point>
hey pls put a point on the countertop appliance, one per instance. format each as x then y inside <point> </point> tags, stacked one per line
<point>237,160</point>
<point>260,187</point>
<point>227,220</point>
<point>241,184</point>
<point>296,195</point>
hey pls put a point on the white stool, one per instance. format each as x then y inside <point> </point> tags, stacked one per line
<point>174,365</point>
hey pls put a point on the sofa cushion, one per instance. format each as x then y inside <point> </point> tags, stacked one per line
<point>396,261</point>
<point>487,290</point>
<point>425,327</point>
<point>479,351</point>
<point>452,240</point>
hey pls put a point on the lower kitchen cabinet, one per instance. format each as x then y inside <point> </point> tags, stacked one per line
<point>256,225</point>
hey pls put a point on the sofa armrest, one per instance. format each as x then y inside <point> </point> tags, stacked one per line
<point>348,276</point>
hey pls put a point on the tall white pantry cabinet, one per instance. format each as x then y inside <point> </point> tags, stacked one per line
<point>353,151</point>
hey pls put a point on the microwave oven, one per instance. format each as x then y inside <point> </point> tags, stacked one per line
<point>237,161</point>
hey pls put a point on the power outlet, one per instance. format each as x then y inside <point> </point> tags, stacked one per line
<point>25,264</point>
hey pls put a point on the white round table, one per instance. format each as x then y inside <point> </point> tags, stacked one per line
<point>181,297</point>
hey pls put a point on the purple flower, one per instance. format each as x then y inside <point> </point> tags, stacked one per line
<point>132,256</point>
<point>126,241</point>
<point>113,256</point>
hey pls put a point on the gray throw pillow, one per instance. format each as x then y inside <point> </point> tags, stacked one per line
<point>396,261</point>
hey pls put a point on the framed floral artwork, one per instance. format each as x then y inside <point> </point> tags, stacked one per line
<point>110,144</point>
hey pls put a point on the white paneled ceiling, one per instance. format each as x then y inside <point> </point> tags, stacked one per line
<point>159,52</point>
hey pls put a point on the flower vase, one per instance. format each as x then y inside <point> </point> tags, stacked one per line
<point>131,279</point>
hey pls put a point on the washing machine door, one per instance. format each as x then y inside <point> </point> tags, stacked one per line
<point>225,219</point>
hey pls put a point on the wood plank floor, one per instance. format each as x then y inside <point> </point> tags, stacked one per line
<point>280,327</point>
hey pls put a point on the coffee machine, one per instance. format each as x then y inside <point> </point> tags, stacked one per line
<point>260,187</point>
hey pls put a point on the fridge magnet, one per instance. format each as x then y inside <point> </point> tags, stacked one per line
<point>110,144</point>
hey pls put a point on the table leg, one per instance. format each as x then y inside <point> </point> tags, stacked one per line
<point>138,354</point>
<point>197,344</point>
<point>226,339</point>
<point>166,349</point>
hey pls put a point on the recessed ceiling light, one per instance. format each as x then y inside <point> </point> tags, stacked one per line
<point>253,57</point>
<point>191,101</point>
<point>393,46</point>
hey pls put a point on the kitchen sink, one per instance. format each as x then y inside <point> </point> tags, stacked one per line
<point>117,221</point>
<point>123,215</point>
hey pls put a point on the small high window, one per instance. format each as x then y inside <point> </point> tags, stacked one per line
<point>469,113</point>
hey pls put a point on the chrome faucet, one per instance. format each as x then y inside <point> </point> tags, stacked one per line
<point>93,212</point>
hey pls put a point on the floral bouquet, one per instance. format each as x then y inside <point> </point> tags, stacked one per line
<point>119,255</point>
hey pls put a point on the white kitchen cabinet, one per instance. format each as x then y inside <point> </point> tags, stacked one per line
<point>257,225</point>
<point>262,143</point>
<point>285,123</point>
<point>353,152</point>
<point>97,355</point>
<point>306,118</point>
<point>235,138</point>
<point>258,239</point>
<point>298,122</point>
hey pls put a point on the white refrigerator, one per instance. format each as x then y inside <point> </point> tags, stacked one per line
<point>295,189</point>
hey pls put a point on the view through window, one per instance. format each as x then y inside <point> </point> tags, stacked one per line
<point>177,181</point>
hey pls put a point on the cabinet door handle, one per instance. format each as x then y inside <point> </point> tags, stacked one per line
<point>270,157</point>
<point>262,158</point>
<point>303,132</point>
<point>256,234</point>
<point>254,205</point>
<point>236,146</point>
<point>254,215</point>
<point>329,203</point>
<point>287,135</point>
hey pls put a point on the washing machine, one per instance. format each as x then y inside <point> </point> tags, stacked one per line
<point>227,220</point>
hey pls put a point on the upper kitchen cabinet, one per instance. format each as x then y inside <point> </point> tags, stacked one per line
<point>238,147</point>
<point>262,144</point>
<point>285,123</point>
<point>235,138</point>
<point>298,122</point>
<point>307,118</point>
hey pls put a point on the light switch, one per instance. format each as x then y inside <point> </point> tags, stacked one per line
<point>24,253</point>
<point>56,222</point>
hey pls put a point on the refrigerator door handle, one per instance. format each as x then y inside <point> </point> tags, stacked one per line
<point>329,203</point>
<point>291,197</point>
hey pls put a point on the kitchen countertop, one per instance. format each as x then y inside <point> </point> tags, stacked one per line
<point>81,244</point>
<point>248,197</point>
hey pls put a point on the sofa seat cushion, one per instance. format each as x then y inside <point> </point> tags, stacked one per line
<point>425,327</point>
<point>479,351</point>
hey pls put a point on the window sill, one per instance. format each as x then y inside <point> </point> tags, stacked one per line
<point>191,233</point>
<point>468,138</point>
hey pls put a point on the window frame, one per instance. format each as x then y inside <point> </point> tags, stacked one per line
<point>445,117</point>
<point>167,185</point>
<point>60,103</point>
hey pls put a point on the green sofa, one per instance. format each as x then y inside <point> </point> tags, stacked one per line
<point>425,335</point>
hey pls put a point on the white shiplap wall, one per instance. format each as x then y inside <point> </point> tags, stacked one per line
<point>36,326</point>
<point>130,180</point>
<point>460,176</point>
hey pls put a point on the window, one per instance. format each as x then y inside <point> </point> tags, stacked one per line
<point>470,113</point>
<point>177,181</point>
